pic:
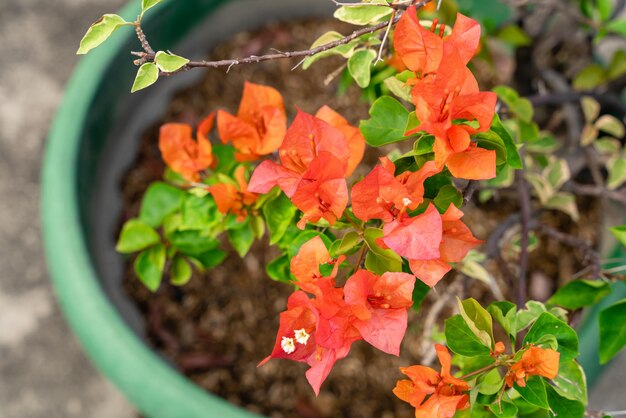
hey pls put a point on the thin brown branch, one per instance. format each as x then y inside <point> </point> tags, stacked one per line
<point>253,59</point>
<point>525,214</point>
<point>590,255</point>
<point>144,41</point>
<point>469,190</point>
<point>596,191</point>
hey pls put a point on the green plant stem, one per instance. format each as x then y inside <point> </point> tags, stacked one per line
<point>480,371</point>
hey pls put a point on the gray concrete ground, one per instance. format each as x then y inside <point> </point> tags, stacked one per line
<point>43,372</point>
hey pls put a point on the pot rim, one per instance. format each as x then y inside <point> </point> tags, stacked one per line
<point>146,380</point>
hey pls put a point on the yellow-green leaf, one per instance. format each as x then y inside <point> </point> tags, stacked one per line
<point>359,66</point>
<point>148,4</point>
<point>364,14</point>
<point>147,75</point>
<point>169,62</point>
<point>100,31</point>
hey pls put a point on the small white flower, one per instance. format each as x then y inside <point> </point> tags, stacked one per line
<point>288,345</point>
<point>301,336</point>
<point>406,201</point>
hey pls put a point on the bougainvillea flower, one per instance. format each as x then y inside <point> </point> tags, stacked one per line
<point>305,336</point>
<point>457,240</point>
<point>305,140</point>
<point>260,124</point>
<point>380,304</point>
<point>322,191</point>
<point>352,134</point>
<point>421,50</point>
<point>181,153</point>
<point>305,266</point>
<point>535,361</point>
<point>442,102</point>
<point>446,394</point>
<point>415,238</point>
<point>380,195</point>
<point>231,199</point>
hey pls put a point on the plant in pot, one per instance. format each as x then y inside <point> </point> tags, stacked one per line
<point>365,222</point>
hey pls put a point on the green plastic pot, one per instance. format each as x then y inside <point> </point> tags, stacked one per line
<point>81,204</point>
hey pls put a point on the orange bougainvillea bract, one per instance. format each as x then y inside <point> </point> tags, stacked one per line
<point>445,93</point>
<point>535,361</point>
<point>231,199</point>
<point>184,155</point>
<point>260,124</point>
<point>434,395</point>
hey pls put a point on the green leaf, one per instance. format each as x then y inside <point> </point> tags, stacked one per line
<point>209,259</point>
<point>148,4</point>
<point>200,213</point>
<point>492,141</point>
<point>180,273</point>
<point>504,313</point>
<point>169,62</point>
<point>278,269</point>
<point>589,78</point>
<point>557,172</point>
<point>399,88</point>
<point>504,410</point>
<point>611,125</point>
<point>346,245</point>
<point>591,108</point>
<point>149,266</point>
<point>136,236</point>
<point>541,186</point>
<point>257,224</point>
<point>100,31</point>
<point>159,201</point>
<point>193,242</point>
<point>278,214</point>
<point>619,232</point>
<point>387,123</point>
<point>617,26</point>
<point>580,293</point>
<point>345,50</point>
<point>448,195</point>
<point>571,382</point>
<point>379,260</point>
<point>241,239</point>
<point>612,330</point>
<point>616,167</point>
<point>514,35</point>
<point>534,392</point>
<point>561,406</point>
<point>513,158</point>
<point>565,202</point>
<point>527,316</point>
<point>147,75</point>
<point>365,14</point>
<point>462,340</point>
<point>490,383</point>
<point>605,7</point>
<point>359,66</point>
<point>548,324</point>
<point>617,66</point>
<point>478,320</point>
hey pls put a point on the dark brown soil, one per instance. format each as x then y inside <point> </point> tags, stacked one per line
<point>220,325</point>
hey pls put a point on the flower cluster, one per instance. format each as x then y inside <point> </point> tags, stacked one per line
<point>320,330</point>
<point>316,155</point>
<point>446,393</point>
<point>448,102</point>
<point>430,241</point>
